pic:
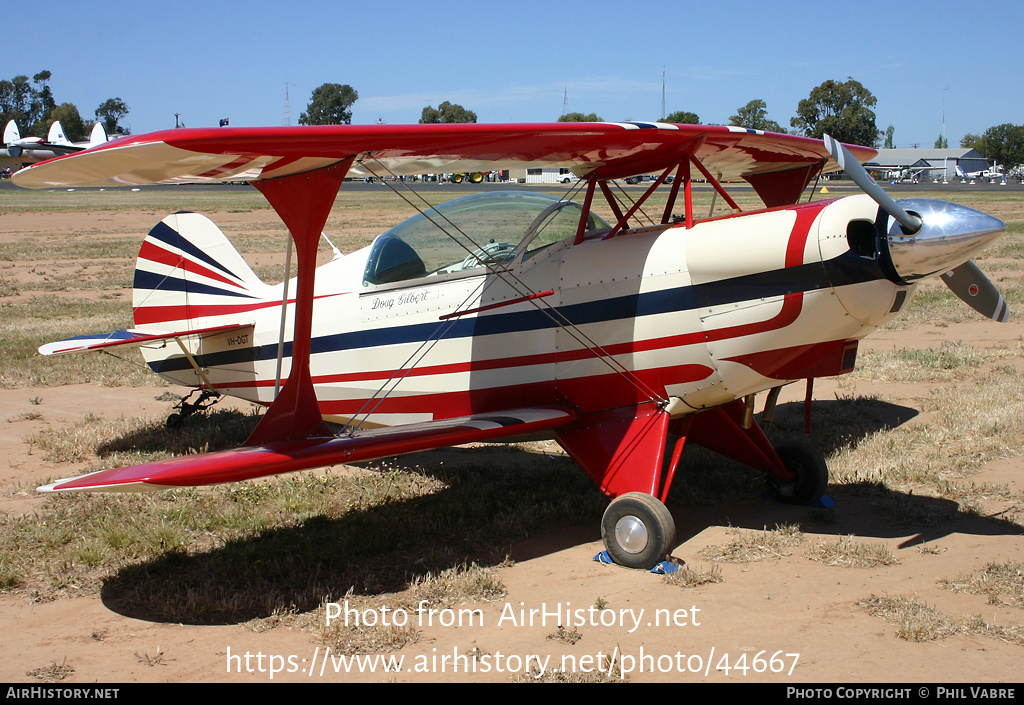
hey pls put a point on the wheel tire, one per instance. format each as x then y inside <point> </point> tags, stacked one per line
<point>638,530</point>
<point>476,178</point>
<point>811,475</point>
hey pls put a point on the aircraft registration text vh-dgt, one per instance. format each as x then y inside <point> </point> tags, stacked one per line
<point>510,314</point>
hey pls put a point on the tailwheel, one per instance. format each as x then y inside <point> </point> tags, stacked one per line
<point>186,408</point>
<point>811,473</point>
<point>638,530</point>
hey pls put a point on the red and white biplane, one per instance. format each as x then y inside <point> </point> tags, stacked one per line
<point>510,314</point>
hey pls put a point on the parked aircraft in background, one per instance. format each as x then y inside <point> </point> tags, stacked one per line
<point>56,144</point>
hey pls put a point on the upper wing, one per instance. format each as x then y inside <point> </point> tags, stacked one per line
<point>288,456</point>
<point>602,150</point>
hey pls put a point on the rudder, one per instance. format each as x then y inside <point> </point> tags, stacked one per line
<point>188,274</point>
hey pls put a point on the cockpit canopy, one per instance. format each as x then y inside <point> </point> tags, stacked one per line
<point>473,231</point>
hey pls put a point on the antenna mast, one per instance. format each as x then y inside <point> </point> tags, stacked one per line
<point>662,92</point>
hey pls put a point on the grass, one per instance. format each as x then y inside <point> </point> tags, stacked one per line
<point>848,553</point>
<point>969,424</point>
<point>271,553</point>
<point>750,546</point>
<point>915,621</point>
<point>53,673</point>
<point>1002,583</point>
<point>367,627</point>
<point>277,549</point>
<point>687,577</point>
<point>950,361</point>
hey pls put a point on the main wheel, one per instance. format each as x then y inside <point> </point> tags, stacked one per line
<point>811,475</point>
<point>638,530</point>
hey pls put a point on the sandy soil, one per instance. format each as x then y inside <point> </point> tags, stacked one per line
<point>801,612</point>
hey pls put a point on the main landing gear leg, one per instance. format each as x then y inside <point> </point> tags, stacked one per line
<point>795,472</point>
<point>623,452</point>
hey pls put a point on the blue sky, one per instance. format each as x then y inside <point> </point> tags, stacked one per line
<point>516,60</point>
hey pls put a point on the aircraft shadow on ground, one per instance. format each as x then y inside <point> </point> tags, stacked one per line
<point>505,501</point>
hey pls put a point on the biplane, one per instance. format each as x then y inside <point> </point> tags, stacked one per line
<point>509,314</point>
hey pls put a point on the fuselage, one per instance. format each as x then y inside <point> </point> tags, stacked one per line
<point>706,315</point>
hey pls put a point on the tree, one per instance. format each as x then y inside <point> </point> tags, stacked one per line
<point>330,105</point>
<point>843,110</point>
<point>889,132</point>
<point>109,113</point>
<point>18,102</point>
<point>71,120</point>
<point>44,102</point>
<point>682,117</point>
<point>1003,144</point>
<point>755,116</point>
<point>580,117</point>
<point>447,112</point>
<point>941,142</point>
<point>972,141</point>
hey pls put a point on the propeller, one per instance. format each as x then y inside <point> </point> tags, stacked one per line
<point>952,223</point>
<point>977,291</point>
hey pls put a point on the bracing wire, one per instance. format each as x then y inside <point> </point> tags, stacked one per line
<point>516,284</point>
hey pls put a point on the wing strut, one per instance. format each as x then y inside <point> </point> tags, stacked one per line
<point>303,201</point>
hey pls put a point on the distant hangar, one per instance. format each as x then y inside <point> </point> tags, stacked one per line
<point>925,164</point>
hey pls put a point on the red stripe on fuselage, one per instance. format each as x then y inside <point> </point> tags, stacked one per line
<point>588,394</point>
<point>162,314</point>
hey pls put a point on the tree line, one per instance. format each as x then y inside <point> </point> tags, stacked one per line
<point>31,104</point>
<point>843,109</point>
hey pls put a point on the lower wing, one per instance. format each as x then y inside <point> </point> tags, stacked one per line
<point>288,456</point>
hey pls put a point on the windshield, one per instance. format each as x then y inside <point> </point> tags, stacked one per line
<point>473,231</point>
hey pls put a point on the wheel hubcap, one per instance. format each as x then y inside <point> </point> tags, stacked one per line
<point>631,534</point>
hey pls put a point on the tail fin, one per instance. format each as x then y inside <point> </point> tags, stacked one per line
<point>11,133</point>
<point>188,274</point>
<point>98,135</point>
<point>56,135</point>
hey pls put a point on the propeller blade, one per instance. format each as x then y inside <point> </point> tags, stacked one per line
<point>849,164</point>
<point>976,290</point>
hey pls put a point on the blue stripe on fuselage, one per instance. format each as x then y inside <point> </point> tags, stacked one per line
<point>843,270</point>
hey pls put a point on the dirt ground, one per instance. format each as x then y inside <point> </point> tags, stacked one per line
<point>783,620</point>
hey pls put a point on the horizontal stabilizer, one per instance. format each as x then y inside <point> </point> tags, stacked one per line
<point>289,456</point>
<point>129,338</point>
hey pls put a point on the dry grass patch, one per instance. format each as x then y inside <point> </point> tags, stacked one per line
<point>1003,583</point>
<point>971,423</point>
<point>687,577</point>
<point>132,440</point>
<point>953,360</point>
<point>53,673</point>
<point>749,546</point>
<point>848,553</point>
<point>915,621</point>
<point>380,624</point>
